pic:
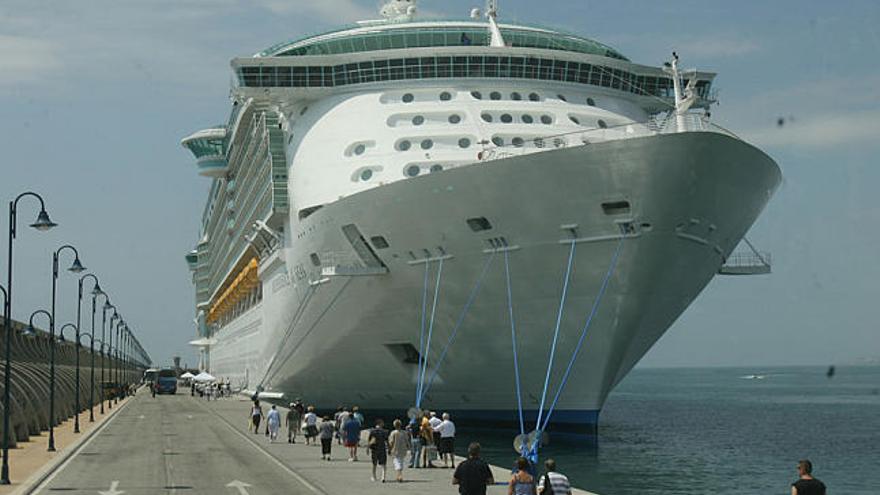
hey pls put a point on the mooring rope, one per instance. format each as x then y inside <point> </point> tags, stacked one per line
<point>422,331</point>
<point>424,365</point>
<point>522,424</point>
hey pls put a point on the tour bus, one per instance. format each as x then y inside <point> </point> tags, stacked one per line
<point>166,383</point>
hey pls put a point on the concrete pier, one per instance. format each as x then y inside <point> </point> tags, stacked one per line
<point>176,444</point>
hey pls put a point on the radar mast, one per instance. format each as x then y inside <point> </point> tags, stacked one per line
<point>399,10</point>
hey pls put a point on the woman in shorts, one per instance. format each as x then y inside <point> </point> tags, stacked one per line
<point>399,443</point>
<point>311,421</point>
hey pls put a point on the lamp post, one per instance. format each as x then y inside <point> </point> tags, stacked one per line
<point>114,321</point>
<point>30,330</point>
<point>76,267</point>
<point>42,224</point>
<point>95,291</point>
<point>119,325</point>
<point>104,353</point>
<point>91,336</point>
<point>92,390</point>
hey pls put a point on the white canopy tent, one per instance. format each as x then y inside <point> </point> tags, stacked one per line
<point>187,375</point>
<point>204,377</point>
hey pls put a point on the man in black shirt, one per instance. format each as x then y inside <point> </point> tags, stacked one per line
<point>473,475</point>
<point>806,484</point>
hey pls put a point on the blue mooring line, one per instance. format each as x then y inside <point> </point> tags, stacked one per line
<point>430,332</point>
<point>519,407</point>
<point>422,333</point>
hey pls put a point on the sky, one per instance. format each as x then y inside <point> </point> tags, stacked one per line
<point>95,96</point>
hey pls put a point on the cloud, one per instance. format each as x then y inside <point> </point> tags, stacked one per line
<point>336,11</point>
<point>718,47</point>
<point>25,60</point>
<point>820,131</point>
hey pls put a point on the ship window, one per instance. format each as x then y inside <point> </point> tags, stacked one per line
<point>445,96</point>
<point>315,259</point>
<point>546,119</point>
<point>477,95</point>
<point>479,224</point>
<point>518,142</point>
<point>515,96</point>
<point>506,118</point>
<point>574,119</point>
<point>359,149</point>
<point>562,97</point>
<point>418,120</point>
<point>602,124</point>
<point>616,207</point>
<point>534,97</point>
<point>436,168</point>
<point>406,353</point>
<point>454,119</point>
<point>498,141</point>
<point>527,119</point>
<point>486,117</point>
<point>404,145</point>
<point>591,102</point>
<point>464,143</point>
<point>379,242</point>
<point>408,98</point>
<point>413,170</point>
<point>367,174</point>
<point>427,144</point>
<point>495,95</point>
<point>539,143</point>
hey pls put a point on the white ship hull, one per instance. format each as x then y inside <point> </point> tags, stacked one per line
<point>334,339</point>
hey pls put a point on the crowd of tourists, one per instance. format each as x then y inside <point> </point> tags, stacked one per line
<point>421,442</point>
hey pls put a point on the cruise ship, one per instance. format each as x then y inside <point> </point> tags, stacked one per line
<point>471,216</point>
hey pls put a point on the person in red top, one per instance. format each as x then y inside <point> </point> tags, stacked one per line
<point>806,484</point>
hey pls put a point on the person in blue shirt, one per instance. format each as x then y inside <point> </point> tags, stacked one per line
<point>352,433</point>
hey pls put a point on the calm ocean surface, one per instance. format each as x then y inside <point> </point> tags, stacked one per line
<point>701,431</point>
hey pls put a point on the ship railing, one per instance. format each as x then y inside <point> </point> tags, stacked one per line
<point>663,124</point>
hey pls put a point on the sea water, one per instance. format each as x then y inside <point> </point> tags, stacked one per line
<point>725,431</point>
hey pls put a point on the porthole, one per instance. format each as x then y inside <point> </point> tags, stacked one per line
<point>562,97</point>
<point>495,95</point>
<point>408,98</point>
<point>546,119</point>
<point>515,96</point>
<point>486,117</point>
<point>559,142</point>
<point>445,96</point>
<point>591,102</point>
<point>359,149</point>
<point>498,141</point>
<point>539,143</point>
<point>404,145</point>
<point>518,142</point>
<point>454,119</point>
<point>427,144</point>
<point>574,119</point>
<point>418,120</point>
<point>602,124</point>
<point>534,97</point>
<point>413,170</point>
<point>506,118</point>
<point>366,175</point>
<point>464,143</point>
<point>477,95</point>
<point>436,168</point>
<point>527,119</point>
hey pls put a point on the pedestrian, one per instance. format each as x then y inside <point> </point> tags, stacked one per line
<point>355,411</point>
<point>292,421</point>
<point>557,482</point>
<point>435,422</point>
<point>351,431</point>
<point>473,475</point>
<point>273,423</point>
<point>414,432</point>
<point>399,444</point>
<point>256,416</point>
<point>338,419</point>
<point>377,443</point>
<point>521,483</point>
<point>428,446</point>
<point>446,447</point>
<point>806,483</point>
<point>311,422</point>
<point>326,435</point>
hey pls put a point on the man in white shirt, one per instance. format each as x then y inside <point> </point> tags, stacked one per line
<point>446,447</point>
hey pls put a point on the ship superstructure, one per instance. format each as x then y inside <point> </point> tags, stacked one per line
<point>385,196</point>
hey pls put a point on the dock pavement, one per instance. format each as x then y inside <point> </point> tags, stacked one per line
<point>177,444</point>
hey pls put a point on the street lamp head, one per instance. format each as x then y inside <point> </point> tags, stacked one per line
<point>77,266</point>
<point>29,331</point>
<point>107,305</point>
<point>43,222</point>
<point>97,290</point>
